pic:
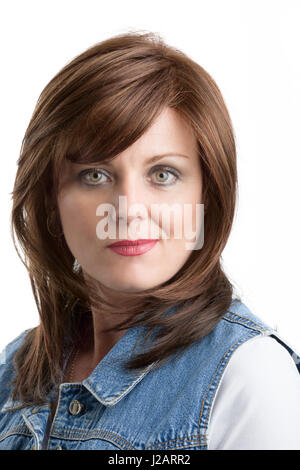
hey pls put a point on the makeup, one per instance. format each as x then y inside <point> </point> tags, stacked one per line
<point>132,247</point>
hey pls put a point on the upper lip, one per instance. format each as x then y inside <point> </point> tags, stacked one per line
<point>141,241</point>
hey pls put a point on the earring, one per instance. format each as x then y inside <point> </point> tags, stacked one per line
<point>76,265</point>
<point>49,222</point>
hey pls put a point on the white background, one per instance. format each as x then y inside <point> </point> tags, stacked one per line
<point>251,49</point>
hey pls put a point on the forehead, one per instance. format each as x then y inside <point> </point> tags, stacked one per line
<point>169,133</point>
<point>169,128</point>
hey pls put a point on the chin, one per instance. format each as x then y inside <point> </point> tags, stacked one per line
<point>130,286</point>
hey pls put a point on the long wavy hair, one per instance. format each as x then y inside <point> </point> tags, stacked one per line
<point>95,107</point>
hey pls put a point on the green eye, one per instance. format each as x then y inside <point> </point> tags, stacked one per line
<point>94,176</point>
<point>91,174</point>
<point>160,171</point>
<point>160,174</point>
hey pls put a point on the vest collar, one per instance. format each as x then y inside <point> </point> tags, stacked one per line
<point>110,381</point>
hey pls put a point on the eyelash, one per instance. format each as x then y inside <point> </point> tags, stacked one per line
<point>154,169</point>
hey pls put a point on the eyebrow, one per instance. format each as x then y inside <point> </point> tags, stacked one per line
<point>152,159</point>
<point>157,157</point>
<point>169,154</point>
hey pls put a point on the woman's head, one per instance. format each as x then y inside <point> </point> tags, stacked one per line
<point>113,107</point>
<point>172,180</point>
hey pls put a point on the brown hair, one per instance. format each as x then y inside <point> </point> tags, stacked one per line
<point>99,104</point>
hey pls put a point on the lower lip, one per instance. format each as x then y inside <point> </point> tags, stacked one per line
<point>133,250</point>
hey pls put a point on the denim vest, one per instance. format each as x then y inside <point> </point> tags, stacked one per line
<point>114,409</point>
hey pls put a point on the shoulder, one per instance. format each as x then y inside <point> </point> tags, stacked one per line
<point>257,403</point>
<point>7,371</point>
<point>261,360</point>
<point>240,315</point>
<point>7,354</point>
<point>14,344</point>
<point>238,325</point>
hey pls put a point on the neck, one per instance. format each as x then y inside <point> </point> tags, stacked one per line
<point>97,343</point>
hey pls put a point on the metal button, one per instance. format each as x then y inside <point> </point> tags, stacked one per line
<point>75,407</point>
<point>58,448</point>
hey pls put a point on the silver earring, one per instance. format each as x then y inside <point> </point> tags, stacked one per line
<point>76,265</point>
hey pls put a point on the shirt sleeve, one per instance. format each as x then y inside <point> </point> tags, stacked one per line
<point>257,403</point>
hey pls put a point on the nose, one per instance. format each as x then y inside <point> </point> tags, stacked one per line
<point>129,198</point>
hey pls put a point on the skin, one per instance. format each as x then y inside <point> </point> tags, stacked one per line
<point>131,175</point>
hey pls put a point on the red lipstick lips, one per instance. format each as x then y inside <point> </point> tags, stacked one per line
<point>132,247</point>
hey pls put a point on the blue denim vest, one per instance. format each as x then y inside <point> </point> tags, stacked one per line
<point>114,409</point>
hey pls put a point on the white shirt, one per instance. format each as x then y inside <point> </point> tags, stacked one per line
<point>257,403</point>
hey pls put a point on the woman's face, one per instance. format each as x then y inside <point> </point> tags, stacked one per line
<point>131,174</point>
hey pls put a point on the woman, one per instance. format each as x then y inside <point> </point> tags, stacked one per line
<point>145,345</point>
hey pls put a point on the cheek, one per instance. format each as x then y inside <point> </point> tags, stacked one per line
<point>185,220</point>
<point>78,217</point>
